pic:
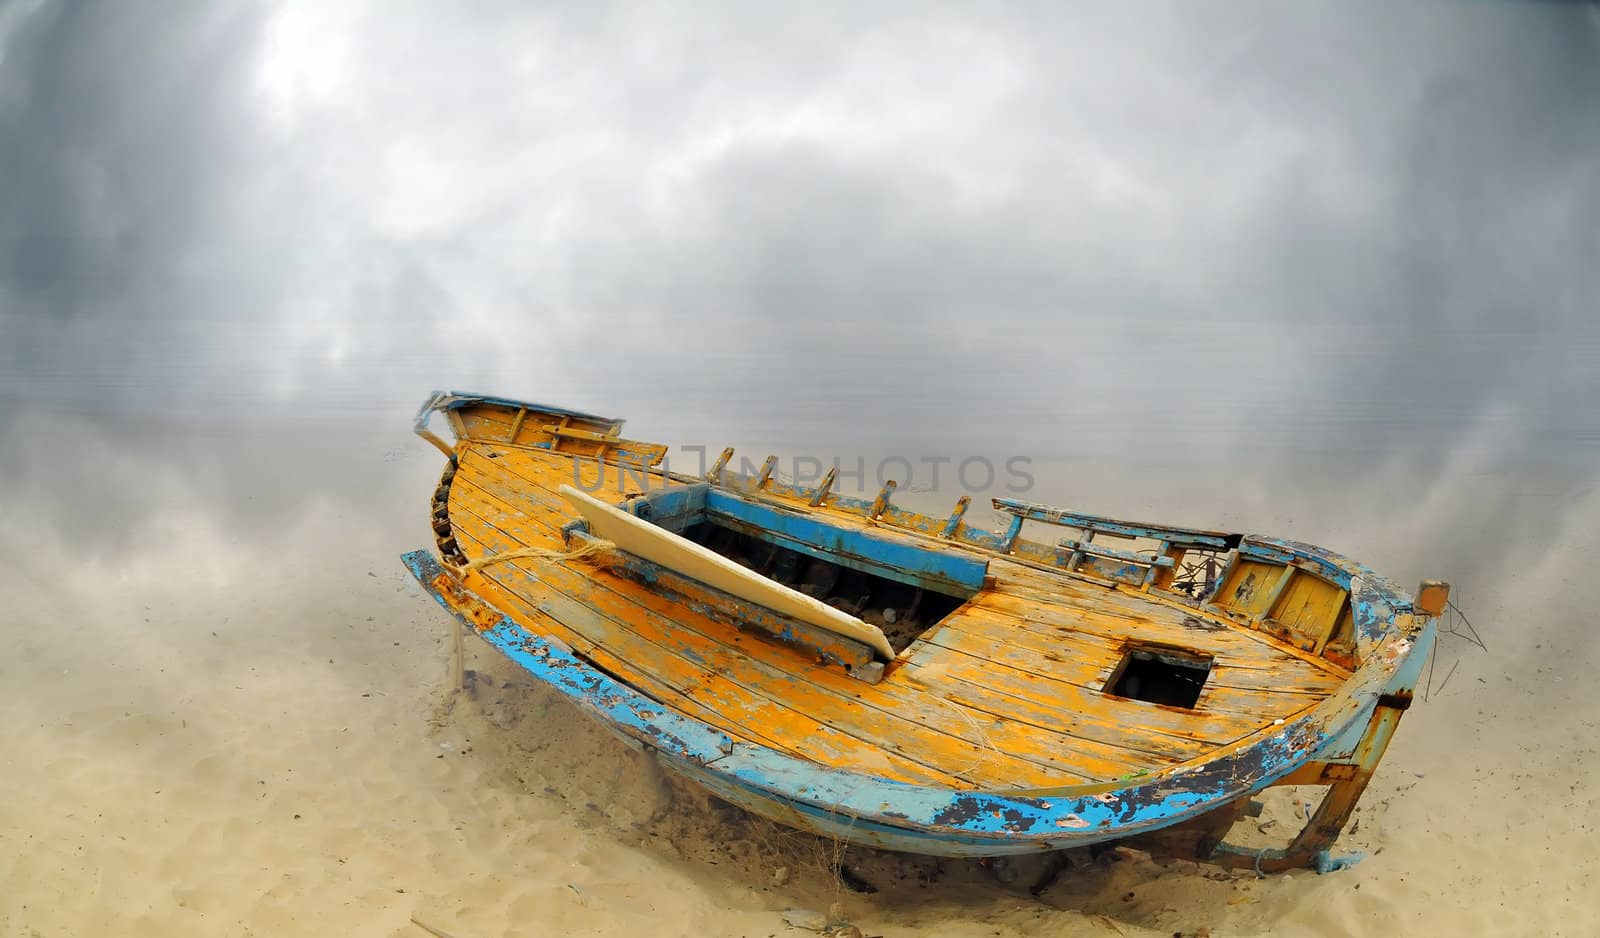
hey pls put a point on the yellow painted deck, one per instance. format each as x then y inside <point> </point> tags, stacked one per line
<point>1003,694</point>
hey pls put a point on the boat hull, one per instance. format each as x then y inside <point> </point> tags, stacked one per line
<point>880,813</point>
<point>1040,696</point>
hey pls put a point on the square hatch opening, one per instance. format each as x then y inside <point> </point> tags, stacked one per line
<point>1165,676</point>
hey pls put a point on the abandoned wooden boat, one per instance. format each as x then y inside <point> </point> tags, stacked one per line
<point>917,683</point>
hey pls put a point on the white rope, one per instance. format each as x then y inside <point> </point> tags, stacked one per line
<point>588,548</point>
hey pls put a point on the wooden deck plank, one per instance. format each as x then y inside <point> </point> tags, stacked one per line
<point>1097,611</point>
<point>1006,680</point>
<point>512,603</point>
<point>1109,627</point>
<point>1241,646</point>
<point>994,688</point>
<point>1091,615</point>
<point>700,692</point>
<point>1240,709</point>
<point>1036,720</point>
<point>797,676</point>
<point>953,686</point>
<point>1089,663</point>
<point>1002,756</point>
<point>528,585</point>
<point>1039,585</point>
<point>1238,647</point>
<point>1089,757</point>
<point>492,424</point>
<point>1136,722</point>
<point>1019,589</point>
<point>550,470</point>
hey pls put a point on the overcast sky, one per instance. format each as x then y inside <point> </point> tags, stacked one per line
<point>1272,225</point>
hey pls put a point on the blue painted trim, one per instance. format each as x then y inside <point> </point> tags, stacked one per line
<point>1113,553</point>
<point>1008,540</point>
<point>454,400</point>
<point>675,508</point>
<point>1187,537</point>
<point>932,820</point>
<point>891,558</point>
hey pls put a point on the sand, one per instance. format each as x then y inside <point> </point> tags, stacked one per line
<point>225,710</point>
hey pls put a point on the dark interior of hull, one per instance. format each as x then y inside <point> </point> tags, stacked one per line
<point>902,610</point>
<point>1160,676</point>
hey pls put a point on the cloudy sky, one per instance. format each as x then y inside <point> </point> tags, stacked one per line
<point>1283,226</point>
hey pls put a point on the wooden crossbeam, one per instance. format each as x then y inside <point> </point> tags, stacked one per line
<point>1112,553</point>
<point>1187,537</point>
<point>573,433</point>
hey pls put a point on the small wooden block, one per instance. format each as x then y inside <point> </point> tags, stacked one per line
<point>871,672</point>
<point>1432,597</point>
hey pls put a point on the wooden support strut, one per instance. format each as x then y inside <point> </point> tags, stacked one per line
<point>1079,548</point>
<point>1346,780</point>
<point>1162,561</point>
<point>1161,576</point>
<point>882,501</point>
<point>766,472</point>
<point>954,524</point>
<point>1009,539</point>
<point>1278,589</point>
<point>714,474</point>
<point>516,425</point>
<point>821,494</point>
<point>1330,624</point>
<point>1188,537</point>
<point>1228,563</point>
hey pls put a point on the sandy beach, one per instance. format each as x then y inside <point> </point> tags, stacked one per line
<point>227,711</point>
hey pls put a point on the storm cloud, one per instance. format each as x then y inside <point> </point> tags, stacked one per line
<point>1274,227</point>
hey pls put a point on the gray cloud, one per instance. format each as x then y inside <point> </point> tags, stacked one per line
<point>1210,227</point>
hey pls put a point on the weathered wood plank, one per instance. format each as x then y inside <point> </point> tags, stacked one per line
<point>1193,537</point>
<point>686,683</point>
<point>1072,755</point>
<point>1081,607</point>
<point>931,733</point>
<point>513,603</point>
<point>1079,711</point>
<point>1109,735</point>
<point>1243,709</point>
<point>1049,592</point>
<point>1071,711</point>
<point>1089,663</point>
<point>1020,721</point>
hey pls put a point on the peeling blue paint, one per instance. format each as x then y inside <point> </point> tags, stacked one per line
<point>1187,537</point>
<point>455,400</point>
<point>894,559</point>
<point>896,815</point>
